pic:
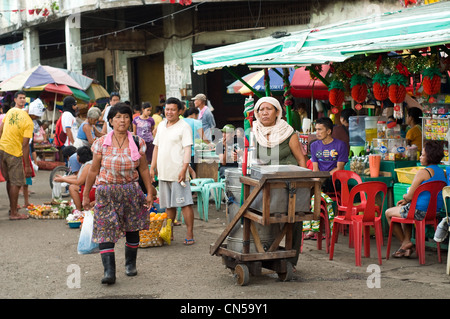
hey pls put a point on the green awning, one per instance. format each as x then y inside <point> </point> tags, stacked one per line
<point>411,28</point>
<point>246,52</point>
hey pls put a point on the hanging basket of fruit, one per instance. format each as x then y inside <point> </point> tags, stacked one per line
<point>380,86</point>
<point>431,81</point>
<point>397,92</point>
<point>358,88</point>
<point>336,95</point>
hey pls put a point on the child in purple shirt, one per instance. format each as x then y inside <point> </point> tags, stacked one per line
<point>143,126</point>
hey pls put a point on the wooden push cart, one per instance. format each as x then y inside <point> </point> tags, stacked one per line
<point>274,257</point>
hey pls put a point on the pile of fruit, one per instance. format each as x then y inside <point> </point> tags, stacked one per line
<point>50,210</point>
<point>151,237</point>
<point>41,211</point>
<point>157,216</point>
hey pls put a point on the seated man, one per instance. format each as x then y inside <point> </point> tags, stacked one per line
<point>229,149</point>
<point>76,187</point>
<point>327,154</point>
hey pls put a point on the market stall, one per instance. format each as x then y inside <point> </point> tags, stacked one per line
<point>375,62</point>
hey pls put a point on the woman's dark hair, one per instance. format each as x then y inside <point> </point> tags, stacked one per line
<point>434,152</point>
<point>137,107</point>
<point>327,122</point>
<point>190,111</point>
<point>84,154</point>
<point>146,105</point>
<point>121,108</point>
<point>174,100</point>
<point>415,113</point>
<point>346,113</point>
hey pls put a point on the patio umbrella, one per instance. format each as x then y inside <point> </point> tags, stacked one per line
<point>36,76</point>
<point>80,95</point>
<point>276,81</point>
<point>81,79</point>
<point>237,85</point>
<point>303,86</point>
<point>97,92</point>
<point>51,87</point>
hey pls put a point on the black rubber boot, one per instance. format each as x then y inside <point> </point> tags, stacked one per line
<point>130,261</point>
<point>109,265</point>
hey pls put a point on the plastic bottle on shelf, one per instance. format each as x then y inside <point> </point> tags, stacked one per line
<point>381,128</point>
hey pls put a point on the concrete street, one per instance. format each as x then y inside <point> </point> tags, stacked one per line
<point>39,259</point>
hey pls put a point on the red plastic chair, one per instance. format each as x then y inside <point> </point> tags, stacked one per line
<point>433,188</point>
<point>370,217</point>
<point>341,197</point>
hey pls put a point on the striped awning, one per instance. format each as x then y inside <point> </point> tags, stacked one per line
<point>410,28</point>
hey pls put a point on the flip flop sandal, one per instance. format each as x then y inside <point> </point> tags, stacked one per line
<point>189,242</point>
<point>409,252</point>
<point>399,253</point>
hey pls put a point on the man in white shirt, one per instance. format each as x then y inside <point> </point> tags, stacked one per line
<point>170,162</point>
<point>114,98</point>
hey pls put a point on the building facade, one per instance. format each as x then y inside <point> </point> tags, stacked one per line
<point>143,49</point>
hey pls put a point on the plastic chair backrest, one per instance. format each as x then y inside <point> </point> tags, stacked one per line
<point>445,194</point>
<point>344,176</point>
<point>370,190</point>
<point>433,188</point>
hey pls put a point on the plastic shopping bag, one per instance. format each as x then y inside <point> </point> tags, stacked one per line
<point>56,190</point>
<point>166,232</point>
<point>85,243</point>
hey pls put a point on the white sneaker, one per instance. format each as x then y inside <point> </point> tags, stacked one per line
<point>441,230</point>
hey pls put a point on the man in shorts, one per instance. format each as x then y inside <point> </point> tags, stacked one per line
<point>16,130</point>
<point>170,162</point>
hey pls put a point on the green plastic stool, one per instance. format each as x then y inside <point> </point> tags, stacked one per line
<point>217,188</point>
<point>197,186</point>
<point>356,151</point>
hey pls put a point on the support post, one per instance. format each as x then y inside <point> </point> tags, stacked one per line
<point>73,45</point>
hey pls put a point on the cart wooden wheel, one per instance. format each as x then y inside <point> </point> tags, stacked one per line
<point>241,274</point>
<point>288,275</point>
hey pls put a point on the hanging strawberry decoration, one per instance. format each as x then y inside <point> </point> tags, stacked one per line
<point>288,98</point>
<point>380,86</point>
<point>431,81</point>
<point>397,92</point>
<point>337,95</point>
<point>359,88</point>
